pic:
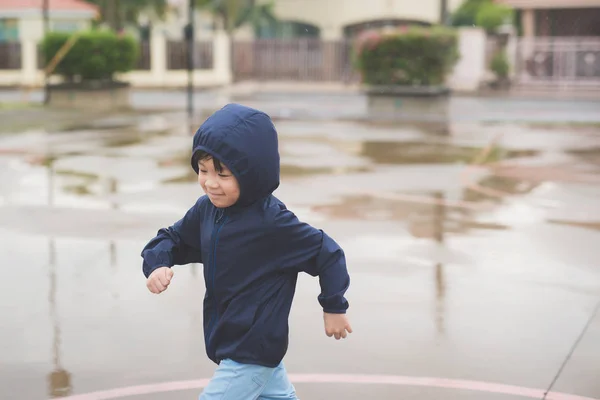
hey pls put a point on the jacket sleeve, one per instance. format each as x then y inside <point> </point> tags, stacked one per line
<point>178,244</point>
<point>303,247</point>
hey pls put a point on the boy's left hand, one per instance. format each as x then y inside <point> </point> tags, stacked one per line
<point>337,325</point>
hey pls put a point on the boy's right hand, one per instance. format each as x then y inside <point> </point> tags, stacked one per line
<point>159,280</point>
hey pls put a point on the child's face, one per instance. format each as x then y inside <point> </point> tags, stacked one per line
<point>222,188</point>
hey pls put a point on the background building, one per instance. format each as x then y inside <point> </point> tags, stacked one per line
<point>558,17</point>
<point>335,19</point>
<point>23,18</point>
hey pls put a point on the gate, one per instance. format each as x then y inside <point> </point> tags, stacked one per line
<point>305,59</point>
<point>10,55</point>
<point>558,61</point>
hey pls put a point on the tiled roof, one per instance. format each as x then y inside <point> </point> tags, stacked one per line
<point>524,4</point>
<point>54,5</point>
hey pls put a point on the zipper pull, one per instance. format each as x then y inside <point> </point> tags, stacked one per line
<point>220,215</point>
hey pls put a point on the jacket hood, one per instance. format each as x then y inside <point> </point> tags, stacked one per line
<point>245,140</point>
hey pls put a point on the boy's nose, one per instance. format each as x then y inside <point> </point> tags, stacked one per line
<point>211,183</point>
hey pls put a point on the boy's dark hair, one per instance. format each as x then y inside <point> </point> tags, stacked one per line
<point>202,155</point>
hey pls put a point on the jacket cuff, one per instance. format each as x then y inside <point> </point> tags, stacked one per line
<point>153,261</point>
<point>333,311</point>
<point>334,304</point>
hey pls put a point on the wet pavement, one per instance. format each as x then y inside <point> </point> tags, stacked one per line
<point>468,282</point>
<point>352,105</point>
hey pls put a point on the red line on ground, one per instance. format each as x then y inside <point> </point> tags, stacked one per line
<point>440,383</point>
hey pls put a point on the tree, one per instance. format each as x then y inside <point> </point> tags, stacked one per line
<point>484,13</point>
<point>491,16</point>
<point>233,14</point>
<point>117,13</point>
<point>466,14</point>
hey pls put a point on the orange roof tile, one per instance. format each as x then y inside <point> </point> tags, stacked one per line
<point>54,5</point>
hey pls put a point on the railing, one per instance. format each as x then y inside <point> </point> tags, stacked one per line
<point>160,63</point>
<point>10,55</point>
<point>559,61</point>
<point>177,55</point>
<point>294,59</point>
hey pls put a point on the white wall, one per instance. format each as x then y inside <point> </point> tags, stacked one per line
<point>31,27</point>
<point>333,15</point>
<point>159,76</point>
<point>470,70</point>
<point>329,15</point>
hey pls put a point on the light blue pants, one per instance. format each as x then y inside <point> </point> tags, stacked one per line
<point>235,381</point>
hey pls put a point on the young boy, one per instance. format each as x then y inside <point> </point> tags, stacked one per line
<point>252,248</point>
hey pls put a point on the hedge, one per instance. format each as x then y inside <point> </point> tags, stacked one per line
<point>413,56</point>
<point>96,55</point>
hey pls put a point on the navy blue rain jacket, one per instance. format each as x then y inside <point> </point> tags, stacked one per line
<point>252,251</point>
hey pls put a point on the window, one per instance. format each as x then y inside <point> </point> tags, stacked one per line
<point>64,26</point>
<point>287,30</point>
<point>9,30</point>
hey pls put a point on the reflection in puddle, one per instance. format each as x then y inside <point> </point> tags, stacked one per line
<point>591,155</point>
<point>125,141</point>
<point>59,380</point>
<point>295,170</point>
<point>424,220</point>
<point>498,184</point>
<point>432,153</point>
<point>593,225</point>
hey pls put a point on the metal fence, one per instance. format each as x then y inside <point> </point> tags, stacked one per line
<point>303,59</point>
<point>558,61</point>
<point>10,55</point>
<point>144,59</point>
<point>491,48</point>
<point>177,55</point>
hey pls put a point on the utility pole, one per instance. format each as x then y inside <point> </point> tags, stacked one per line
<point>444,12</point>
<point>46,24</point>
<point>112,14</point>
<point>190,36</point>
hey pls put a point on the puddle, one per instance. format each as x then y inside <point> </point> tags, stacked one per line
<point>433,214</point>
<point>126,160</point>
<point>433,153</point>
<point>322,156</point>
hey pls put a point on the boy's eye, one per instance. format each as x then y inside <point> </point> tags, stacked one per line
<point>224,175</point>
<point>203,171</point>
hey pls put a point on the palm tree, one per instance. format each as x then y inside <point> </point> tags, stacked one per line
<point>233,14</point>
<point>116,13</point>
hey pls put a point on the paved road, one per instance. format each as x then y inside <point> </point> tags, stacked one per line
<point>491,298</point>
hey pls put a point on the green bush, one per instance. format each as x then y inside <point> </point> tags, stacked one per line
<point>491,16</point>
<point>96,55</point>
<point>413,57</point>
<point>500,65</point>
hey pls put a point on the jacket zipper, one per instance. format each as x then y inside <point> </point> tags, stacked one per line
<point>214,318</point>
